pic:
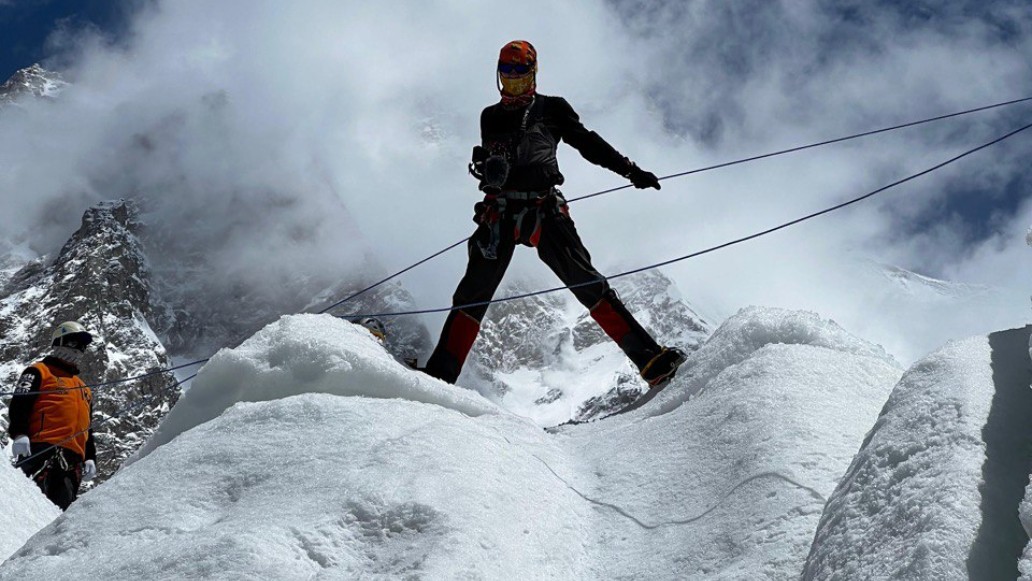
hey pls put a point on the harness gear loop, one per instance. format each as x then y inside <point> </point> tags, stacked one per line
<point>526,210</point>
<point>62,461</point>
<point>489,213</point>
<point>43,468</point>
<point>41,476</point>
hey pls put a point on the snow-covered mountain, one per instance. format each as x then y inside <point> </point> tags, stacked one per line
<point>928,308</point>
<point>100,278</point>
<point>34,81</point>
<point>544,357</point>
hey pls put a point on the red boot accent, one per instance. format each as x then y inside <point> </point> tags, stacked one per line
<point>461,335</point>
<point>611,322</point>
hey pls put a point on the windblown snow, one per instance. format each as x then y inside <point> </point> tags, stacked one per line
<point>309,452</point>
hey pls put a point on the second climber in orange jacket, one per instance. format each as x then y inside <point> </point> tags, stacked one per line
<point>50,419</point>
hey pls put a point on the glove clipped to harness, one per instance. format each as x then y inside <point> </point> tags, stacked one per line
<point>640,178</point>
<point>89,470</point>
<point>21,446</point>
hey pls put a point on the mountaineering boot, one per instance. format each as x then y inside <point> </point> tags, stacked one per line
<point>662,367</point>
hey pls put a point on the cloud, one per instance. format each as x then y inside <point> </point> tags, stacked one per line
<point>277,148</point>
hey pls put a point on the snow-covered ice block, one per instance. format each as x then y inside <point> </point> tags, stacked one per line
<point>909,505</point>
<point>305,354</point>
<point>23,509</point>
<point>750,330</point>
<point>1025,513</point>
<point>320,486</point>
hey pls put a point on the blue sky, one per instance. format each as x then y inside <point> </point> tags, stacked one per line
<point>25,26</point>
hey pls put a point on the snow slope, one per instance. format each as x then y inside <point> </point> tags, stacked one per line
<point>934,492</point>
<point>322,486</point>
<point>23,509</point>
<point>309,453</point>
<point>730,485</point>
<point>317,486</point>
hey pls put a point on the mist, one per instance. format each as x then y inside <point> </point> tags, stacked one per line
<point>279,149</point>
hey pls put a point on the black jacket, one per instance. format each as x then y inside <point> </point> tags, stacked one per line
<point>531,152</point>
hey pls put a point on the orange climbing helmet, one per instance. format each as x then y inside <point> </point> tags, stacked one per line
<point>517,70</point>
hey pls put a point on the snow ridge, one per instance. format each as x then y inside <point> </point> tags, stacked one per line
<point>23,510</point>
<point>749,331</point>
<point>304,354</point>
<point>913,501</point>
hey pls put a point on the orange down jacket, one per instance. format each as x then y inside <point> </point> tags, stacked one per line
<point>61,413</point>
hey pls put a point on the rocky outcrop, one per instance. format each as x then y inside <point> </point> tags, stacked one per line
<point>546,342</point>
<point>100,278</point>
<point>32,81</point>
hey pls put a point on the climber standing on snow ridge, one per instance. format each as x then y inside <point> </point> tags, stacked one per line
<point>518,172</point>
<point>50,418</point>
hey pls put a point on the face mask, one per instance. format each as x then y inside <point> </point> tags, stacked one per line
<point>516,86</point>
<point>69,355</point>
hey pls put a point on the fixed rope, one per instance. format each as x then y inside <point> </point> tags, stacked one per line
<point>719,246</point>
<point>611,190</point>
<point>114,381</point>
<point>131,409</point>
<point>711,168</point>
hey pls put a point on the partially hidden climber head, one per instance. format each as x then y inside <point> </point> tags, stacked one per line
<point>517,72</point>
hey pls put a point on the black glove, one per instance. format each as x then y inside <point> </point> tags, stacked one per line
<point>642,179</point>
<point>496,171</point>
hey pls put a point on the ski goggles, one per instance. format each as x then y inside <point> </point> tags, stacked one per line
<point>515,68</point>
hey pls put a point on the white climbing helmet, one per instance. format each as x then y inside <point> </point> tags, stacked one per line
<point>71,334</point>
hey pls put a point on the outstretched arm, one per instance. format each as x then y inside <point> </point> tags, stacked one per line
<point>597,150</point>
